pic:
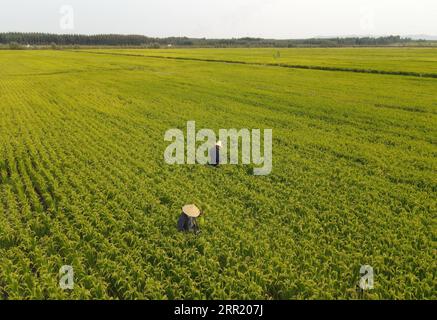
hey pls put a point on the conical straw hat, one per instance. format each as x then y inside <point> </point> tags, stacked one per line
<point>191,210</point>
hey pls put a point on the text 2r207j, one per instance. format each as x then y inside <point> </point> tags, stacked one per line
<point>235,309</point>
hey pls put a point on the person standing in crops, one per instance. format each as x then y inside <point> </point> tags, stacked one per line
<point>187,220</point>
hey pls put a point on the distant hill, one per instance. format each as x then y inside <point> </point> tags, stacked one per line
<point>423,37</point>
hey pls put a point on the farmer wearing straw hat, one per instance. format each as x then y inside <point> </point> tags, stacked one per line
<point>187,220</point>
<point>215,154</point>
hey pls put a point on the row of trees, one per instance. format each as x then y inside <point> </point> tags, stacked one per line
<point>41,39</point>
<point>44,39</point>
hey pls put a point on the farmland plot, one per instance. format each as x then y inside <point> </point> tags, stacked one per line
<point>83,181</point>
<point>419,61</point>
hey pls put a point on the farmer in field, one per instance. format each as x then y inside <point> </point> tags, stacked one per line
<point>215,154</point>
<point>187,220</point>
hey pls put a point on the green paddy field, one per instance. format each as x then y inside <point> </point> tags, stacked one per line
<point>83,180</point>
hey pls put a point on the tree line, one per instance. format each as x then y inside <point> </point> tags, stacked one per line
<point>45,39</point>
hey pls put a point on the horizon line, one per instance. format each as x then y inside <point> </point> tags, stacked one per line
<point>402,36</point>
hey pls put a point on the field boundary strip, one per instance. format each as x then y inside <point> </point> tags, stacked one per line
<point>281,65</point>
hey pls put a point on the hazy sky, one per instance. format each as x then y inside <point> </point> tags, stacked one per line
<point>222,18</point>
